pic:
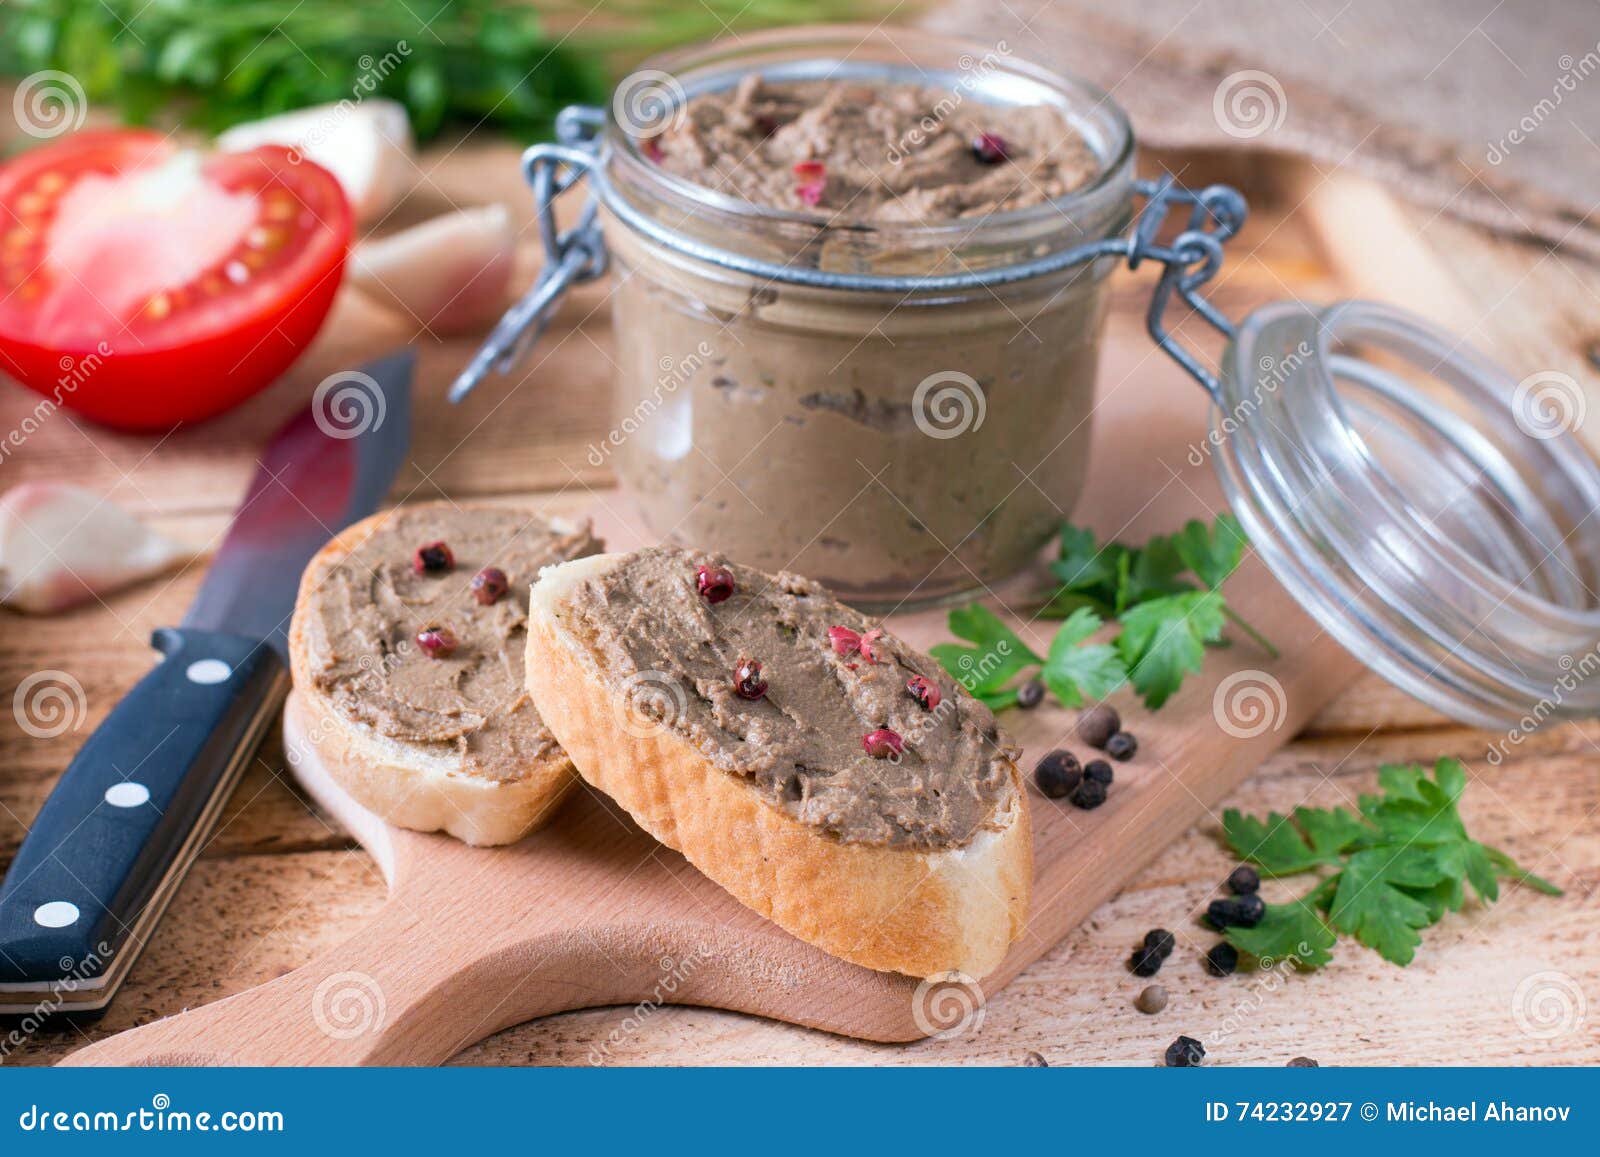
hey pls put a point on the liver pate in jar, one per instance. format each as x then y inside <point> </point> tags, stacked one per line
<point>901,445</point>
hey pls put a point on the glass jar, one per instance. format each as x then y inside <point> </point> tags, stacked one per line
<point>902,446</point>
<point>904,412</point>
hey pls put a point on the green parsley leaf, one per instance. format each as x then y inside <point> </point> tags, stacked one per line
<point>1404,862</point>
<point>996,657</point>
<point>1073,671</point>
<point>1293,931</point>
<point>1375,901</point>
<point>1164,639</point>
<point>1150,573</point>
<point>1281,848</point>
<point>1211,553</point>
<point>1167,623</point>
<point>1088,572</point>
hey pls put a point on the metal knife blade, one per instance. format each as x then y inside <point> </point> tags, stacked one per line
<point>327,467</point>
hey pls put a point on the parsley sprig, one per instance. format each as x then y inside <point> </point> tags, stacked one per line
<point>1400,865</point>
<point>1164,595</point>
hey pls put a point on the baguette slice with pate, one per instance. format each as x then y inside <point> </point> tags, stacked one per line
<point>441,738</point>
<point>823,772</point>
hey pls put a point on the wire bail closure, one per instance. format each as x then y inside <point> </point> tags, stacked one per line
<point>578,255</point>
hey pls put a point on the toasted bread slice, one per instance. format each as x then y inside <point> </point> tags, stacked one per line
<point>431,741</point>
<point>893,862</point>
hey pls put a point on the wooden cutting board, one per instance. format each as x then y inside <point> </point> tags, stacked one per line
<point>590,911</point>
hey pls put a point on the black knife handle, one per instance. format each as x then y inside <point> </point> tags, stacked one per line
<point>122,815</point>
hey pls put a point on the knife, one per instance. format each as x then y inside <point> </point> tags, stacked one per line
<point>134,807</point>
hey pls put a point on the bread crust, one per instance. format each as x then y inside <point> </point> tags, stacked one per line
<point>903,910</point>
<point>419,786</point>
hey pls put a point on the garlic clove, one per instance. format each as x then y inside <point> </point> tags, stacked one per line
<point>447,275</point>
<point>62,545</point>
<point>367,146</point>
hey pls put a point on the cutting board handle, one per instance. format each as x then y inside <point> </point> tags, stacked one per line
<point>397,993</point>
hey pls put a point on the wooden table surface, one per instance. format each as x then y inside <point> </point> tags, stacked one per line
<point>280,882</point>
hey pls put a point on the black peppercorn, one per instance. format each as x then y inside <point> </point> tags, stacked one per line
<point>1098,724</point>
<point>1222,960</point>
<point>1244,880</point>
<point>1099,771</point>
<point>1030,694</point>
<point>1161,940</point>
<point>1089,794</point>
<point>1122,746</point>
<point>1303,1063</point>
<point>1145,962</point>
<point>1237,912</point>
<point>1057,774</point>
<point>1185,1053</point>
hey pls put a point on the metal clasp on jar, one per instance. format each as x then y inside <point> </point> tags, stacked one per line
<point>578,255</point>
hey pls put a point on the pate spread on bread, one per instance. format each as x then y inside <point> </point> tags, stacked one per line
<point>818,768</point>
<point>409,640</point>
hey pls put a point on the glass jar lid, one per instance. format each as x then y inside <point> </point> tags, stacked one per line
<point>1433,515</point>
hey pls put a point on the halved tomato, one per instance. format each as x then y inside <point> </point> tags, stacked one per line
<point>143,284</point>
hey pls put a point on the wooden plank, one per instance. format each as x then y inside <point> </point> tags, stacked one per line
<point>262,903</point>
<point>243,921</point>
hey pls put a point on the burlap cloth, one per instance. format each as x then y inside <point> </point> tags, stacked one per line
<point>1489,111</point>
